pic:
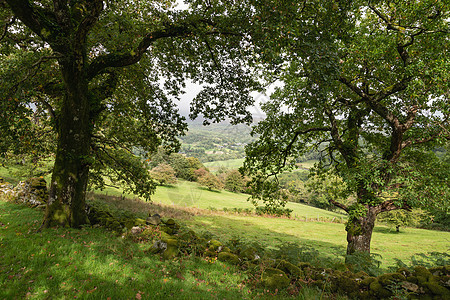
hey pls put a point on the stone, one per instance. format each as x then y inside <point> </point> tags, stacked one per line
<point>170,222</point>
<point>289,268</point>
<point>214,245</point>
<point>249,253</point>
<point>274,279</point>
<point>136,230</point>
<point>390,278</point>
<point>411,287</point>
<point>229,257</point>
<point>139,222</point>
<point>379,290</point>
<point>154,220</point>
<point>171,250</point>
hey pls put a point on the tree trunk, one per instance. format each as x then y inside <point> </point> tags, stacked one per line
<point>66,205</point>
<point>359,232</point>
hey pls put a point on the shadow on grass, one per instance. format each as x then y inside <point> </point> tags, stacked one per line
<point>209,190</point>
<point>386,230</point>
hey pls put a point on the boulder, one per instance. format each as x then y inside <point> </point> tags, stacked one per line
<point>136,230</point>
<point>154,220</point>
<point>249,253</point>
<point>171,248</point>
<point>289,268</point>
<point>215,245</point>
<point>274,279</point>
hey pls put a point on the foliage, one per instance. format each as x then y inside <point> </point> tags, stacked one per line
<point>428,260</point>
<point>398,218</point>
<point>234,181</point>
<point>273,211</point>
<point>370,93</point>
<point>210,181</point>
<point>164,174</point>
<point>366,262</point>
<point>105,77</point>
<point>184,167</point>
<point>326,187</point>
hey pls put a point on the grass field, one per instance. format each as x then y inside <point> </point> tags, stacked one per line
<point>304,229</point>
<point>213,166</point>
<point>237,163</point>
<point>190,194</point>
<point>92,263</point>
<point>329,238</point>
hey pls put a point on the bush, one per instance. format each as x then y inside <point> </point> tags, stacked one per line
<point>278,212</point>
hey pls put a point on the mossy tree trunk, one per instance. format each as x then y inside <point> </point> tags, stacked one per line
<point>359,232</point>
<point>66,204</point>
<point>361,222</point>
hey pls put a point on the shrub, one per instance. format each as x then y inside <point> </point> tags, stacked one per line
<point>278,212</point>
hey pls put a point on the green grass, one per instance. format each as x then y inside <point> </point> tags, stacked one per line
<point>328,238</point>
<point>91,263</point>
<point>190,194</point>
<point>213,166</point>
<point>61,263</point>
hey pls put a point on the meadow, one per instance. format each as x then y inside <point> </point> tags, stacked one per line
<point>327,235</point>
<point>93,263</point>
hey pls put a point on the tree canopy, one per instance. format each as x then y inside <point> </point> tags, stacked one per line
<point>367,84</point>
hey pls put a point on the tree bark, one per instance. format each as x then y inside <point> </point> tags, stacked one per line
<point>359,232</point>
<point>66,206</point>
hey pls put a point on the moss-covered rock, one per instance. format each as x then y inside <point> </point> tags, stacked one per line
<point>305,265</point>
<point>154,220</point>
<point>436,289</point>
<point>272,278</point>
<point>170,222</point>
<point>379,290</point>
<point>139,222</point>
<point>229,257</point>
<point>249,253</point>
<point>344,284</point>
<point>215,245</point>
<point>365,283</point>
<point>172,248</point>
<point>422,274</point>
<point>289,268</point>
<point>390,278</point>
<point>209,253</point>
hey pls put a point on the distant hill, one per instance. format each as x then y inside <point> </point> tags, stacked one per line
<point>214,142</point>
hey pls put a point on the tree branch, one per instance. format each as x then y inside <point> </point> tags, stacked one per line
<point>338,204</point>
<point>5,31</point>
<point>41,21</point>
<point>95,8</point>
<point>389,205</point>
<point>287,151</point>
<point>126,59</point>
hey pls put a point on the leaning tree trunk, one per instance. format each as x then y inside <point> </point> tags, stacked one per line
<point>359,231</point>
<point>66,205</point>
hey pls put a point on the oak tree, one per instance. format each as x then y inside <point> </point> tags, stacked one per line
<point>367,84</point>
<point>105,74</point>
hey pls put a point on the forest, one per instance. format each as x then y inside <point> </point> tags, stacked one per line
<point>340,190</point>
